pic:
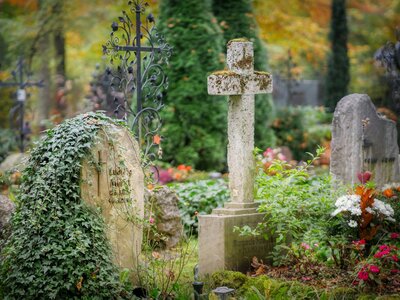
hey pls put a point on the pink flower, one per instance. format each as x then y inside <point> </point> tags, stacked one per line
<point>281,157</point>
<point>364,177</point>
<point>151,220</point>
<point>384,248</point>
<point>395,258</point>
<point>394,235</point>
<point>394,271</point>
<point>381,253</point>
<point>362,275</point>
<point>306,278</point>
<point>374,269</point>
<point>305,246</point>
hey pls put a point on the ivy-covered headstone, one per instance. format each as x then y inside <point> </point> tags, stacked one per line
<point>83,181</point>
<point>113,180</point>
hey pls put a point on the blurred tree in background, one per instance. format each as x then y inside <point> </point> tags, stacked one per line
<point>194,122</point>
<point>338,76</point>
<point>83,26</point>
<point>236,19</point>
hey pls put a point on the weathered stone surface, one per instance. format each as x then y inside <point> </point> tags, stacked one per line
<point>356,148</point>
<point>231,83</point>
<point>7,207</point>
<point>113,180</point>
<point>15,161</point>
<point>219,247</point>
<point>227,249</point>
<point>164,203</point>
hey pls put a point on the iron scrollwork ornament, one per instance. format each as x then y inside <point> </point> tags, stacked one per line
<point>137,54</point>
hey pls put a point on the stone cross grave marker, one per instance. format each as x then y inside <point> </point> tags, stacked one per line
<point>113,180</point>
<point>219,247</point>
<point>363,141</point>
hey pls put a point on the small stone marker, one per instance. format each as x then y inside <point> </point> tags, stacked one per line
<point>363,141</point>
<point>113,180</point>
<point>219,247</point>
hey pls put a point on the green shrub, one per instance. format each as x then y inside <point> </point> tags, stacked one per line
<point>195,122</point>
<point>8,143</point>
<point>199,197</point>
<point>296,205</point>
<point>302,129</point>
<point>58,247</point>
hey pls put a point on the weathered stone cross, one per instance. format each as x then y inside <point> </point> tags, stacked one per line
<point>240,83</point>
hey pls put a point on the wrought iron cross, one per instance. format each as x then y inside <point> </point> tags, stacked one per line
<point>22,81</point>
<point>140,37</point>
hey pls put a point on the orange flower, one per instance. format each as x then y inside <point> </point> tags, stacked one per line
<point>181,167</point>
<point>388,193</point>
<point>177,176</point>
<point>188,168</point>
<point>367,200</point>
<point>157,139</point>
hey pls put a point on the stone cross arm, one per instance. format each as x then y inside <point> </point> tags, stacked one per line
<point>240,79</point>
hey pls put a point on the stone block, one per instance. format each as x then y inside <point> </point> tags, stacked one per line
<point>220,248</point>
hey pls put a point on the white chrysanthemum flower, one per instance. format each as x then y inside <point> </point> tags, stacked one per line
<point>352,223</point>
<point>391,185</point>
<point>384,209</point>
<point>370,210</point>
<point>349,203</point>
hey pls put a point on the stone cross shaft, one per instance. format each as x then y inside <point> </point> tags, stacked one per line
<point>240,83</point>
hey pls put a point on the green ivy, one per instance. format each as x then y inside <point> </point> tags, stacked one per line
<point>58,247</point>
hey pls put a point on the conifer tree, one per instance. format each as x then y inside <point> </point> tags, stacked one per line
<point>194,122</point>
<point>338,76</point>
<point>237,20</point>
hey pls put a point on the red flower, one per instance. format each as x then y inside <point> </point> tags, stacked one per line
<point>358,243</point>
<point>395,258</point>
<point>374,269</point>
<point>362,275</point>
<point>394,235</point>
<point>394,271</point>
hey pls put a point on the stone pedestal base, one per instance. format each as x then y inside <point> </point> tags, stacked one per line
<point>222,249</point>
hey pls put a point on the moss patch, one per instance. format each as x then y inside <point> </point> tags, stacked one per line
<point>252,287</point>
<point>225,73</point>
<point>238,40</point>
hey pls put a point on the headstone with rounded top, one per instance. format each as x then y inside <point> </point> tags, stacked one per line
<point>113,180</point>
<point>362,141</point>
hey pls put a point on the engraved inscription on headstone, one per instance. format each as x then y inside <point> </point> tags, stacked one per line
<point>113,180</point>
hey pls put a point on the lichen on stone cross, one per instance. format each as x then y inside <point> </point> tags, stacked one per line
<point>240,83</point>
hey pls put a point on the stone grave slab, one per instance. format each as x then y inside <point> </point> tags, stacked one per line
<point>363,141</point>
<point>113,180</point>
